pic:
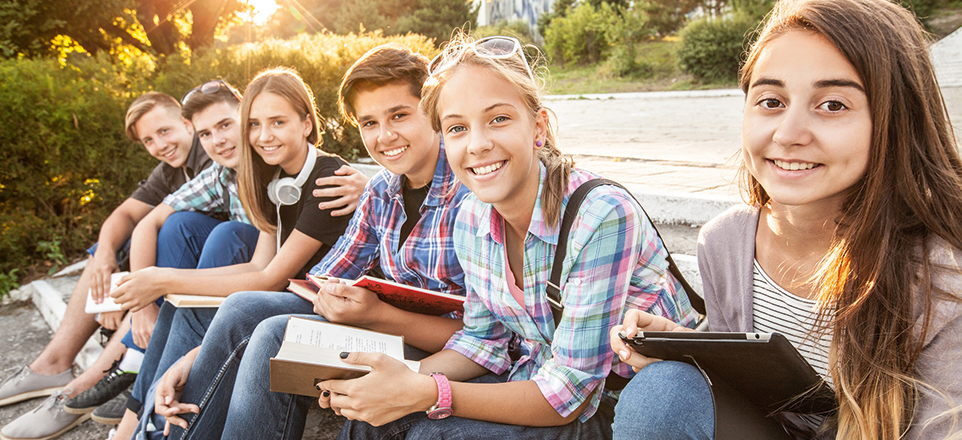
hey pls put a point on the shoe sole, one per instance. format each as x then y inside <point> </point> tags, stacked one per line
<point>73,425</point>
<point>106,420</point>
<point>29,395</point>
<point>70,410</point>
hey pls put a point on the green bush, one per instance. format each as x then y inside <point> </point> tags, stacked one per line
<point>67,162</point>
<point>711,50</point>
<point>580,36</point>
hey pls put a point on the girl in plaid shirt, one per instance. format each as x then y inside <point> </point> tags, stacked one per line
<point>484,100</point>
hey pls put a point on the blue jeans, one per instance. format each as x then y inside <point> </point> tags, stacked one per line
<point>418,426</point>
<point>188,240</point>
<point>665,400</point>
<point>242,339</point>
<point>237,347</point>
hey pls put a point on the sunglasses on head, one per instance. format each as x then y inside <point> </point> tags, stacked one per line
<point>208,88</point>
<point>497,47</point>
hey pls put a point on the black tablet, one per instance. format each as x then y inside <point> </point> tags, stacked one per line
<point>764,367</point>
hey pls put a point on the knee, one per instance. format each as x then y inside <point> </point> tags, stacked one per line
<point>664,397</point>
<point>176,226</point>
<point>233,231</point>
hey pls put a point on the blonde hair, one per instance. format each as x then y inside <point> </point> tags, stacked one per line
<point>911,193</point>
<point>144,104</point>
<point>253,174</point>
<point>557,164</point>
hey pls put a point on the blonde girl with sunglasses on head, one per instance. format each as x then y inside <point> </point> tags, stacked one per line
<point>484,100</point>
<point>850,244</point>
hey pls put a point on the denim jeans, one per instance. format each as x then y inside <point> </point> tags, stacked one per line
<point>665,401</point>
<point>243,337</point>
<point>188,240</point>
<point>223,360</point>
<point>419,426</point>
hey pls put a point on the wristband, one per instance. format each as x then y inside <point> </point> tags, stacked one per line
<point>442,409</point>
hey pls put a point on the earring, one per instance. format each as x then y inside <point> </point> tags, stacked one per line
<point>538,143</point>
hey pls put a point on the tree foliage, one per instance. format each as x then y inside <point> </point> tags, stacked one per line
<point>431,18</point>
<point>45,27</point>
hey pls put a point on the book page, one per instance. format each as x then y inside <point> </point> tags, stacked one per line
<point>108,304</point>
<point>342,338</point>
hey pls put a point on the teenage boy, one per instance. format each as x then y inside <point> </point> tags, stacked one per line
<point>402,227</point>
<point>153,120</point>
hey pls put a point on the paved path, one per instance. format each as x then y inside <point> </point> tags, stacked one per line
<point>674,142</point>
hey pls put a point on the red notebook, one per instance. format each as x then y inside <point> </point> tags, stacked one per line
<point>413,299</point>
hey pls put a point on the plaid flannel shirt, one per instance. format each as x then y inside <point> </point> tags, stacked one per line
<point>206,193</point>
<point>614,261</point>
<point>426,259</point>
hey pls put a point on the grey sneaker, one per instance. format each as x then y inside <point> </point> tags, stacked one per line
<point>47,421</point>
<point>25,384</point>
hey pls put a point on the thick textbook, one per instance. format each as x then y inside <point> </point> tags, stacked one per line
<point>310,353</point>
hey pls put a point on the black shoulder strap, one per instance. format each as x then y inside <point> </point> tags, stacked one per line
<point>571,211</point>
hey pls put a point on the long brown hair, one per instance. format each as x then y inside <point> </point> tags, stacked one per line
<point>911,193</point>
<point>557,164</point>
<point>253,174</point>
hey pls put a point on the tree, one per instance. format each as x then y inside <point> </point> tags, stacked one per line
<point>437,18</point>
<point>432,18</point>
<point>36,27</point>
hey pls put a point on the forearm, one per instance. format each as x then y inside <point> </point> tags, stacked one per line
<point>454,365</point>
<point>114,233</point>
<point>426,332</point>
<point>143,242</point>
<point>222,281</point>
<point>514,403</point>
<point>119,225</point>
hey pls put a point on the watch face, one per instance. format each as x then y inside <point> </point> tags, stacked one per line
<point>440,413</point>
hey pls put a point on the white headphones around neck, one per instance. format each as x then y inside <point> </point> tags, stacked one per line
<point>287,191</point>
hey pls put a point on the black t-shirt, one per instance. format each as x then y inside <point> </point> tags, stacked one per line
<point>165,179</point>
<point>307,218</point>
<point>413,199</point>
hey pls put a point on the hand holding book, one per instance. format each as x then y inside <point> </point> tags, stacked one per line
<point>341,302</point>
<point>388,377</point>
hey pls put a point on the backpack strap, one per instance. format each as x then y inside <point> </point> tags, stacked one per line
<point>553,289</point>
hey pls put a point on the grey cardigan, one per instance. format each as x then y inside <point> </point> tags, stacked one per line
<point>726,253</point>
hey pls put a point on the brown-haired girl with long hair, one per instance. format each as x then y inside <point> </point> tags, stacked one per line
<point>484,100</point>
<point>850,244</point>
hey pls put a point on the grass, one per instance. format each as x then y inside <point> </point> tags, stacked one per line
<point>657,71</point>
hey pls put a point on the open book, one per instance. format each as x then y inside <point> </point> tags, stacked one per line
<point>311,352</point>
<point>404,297</point>
<point>108,305</point>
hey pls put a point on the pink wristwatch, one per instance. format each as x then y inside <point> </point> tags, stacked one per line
<point>442,409</point>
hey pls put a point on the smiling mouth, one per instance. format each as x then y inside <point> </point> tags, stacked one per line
<point>270,149</point>
<point>395,152</point>
<point>171,154</point>
<point>794,166</point>
<point>228,152</point>
<point>487,169</point>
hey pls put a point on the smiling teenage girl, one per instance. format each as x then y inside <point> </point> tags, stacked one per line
<point>851,243</point>
<point>485,102</point>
